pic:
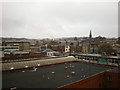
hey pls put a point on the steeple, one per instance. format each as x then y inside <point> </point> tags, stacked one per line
<point>90,35</point>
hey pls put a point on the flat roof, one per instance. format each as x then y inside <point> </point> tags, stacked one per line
<point>20,52</point>
<point>98,55</point>
<point>53,76</point>
<point>16,42</point>
<point>115,70</point>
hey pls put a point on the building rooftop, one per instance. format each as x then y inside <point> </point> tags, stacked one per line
<point>16,42</point>
<point>99,55</point>
<point>115,70</point>
<point>20,52</point>
<point>53,76</point>
<point>48,50</point>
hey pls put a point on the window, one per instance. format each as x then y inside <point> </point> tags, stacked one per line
<point>116,61</point>
<point>96,59</point>
<point>51,54</point>
<point>112,61</point>
<point>109,78</point>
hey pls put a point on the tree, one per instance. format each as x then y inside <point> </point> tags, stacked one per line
<point>105,48</point>
<point>100,38</point>
<point>118,41</point>
<point>75,39</point>
<point>66,42</point>
<point>71,44</point>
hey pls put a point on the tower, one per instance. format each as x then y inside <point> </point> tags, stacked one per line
<point>90,35</point>
<point>91,43</point>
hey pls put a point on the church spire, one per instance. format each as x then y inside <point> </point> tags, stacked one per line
<point>90,35</point>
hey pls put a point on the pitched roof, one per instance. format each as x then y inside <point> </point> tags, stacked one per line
<point>48,50</point>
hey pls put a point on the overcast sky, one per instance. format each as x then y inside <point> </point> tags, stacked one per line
<point>59,19</point>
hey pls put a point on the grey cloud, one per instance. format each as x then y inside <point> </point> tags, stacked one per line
<point>59,19</point>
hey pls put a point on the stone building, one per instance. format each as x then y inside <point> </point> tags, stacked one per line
<point>21,46</point>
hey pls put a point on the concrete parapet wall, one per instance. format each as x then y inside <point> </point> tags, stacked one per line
<point>28,64</point>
